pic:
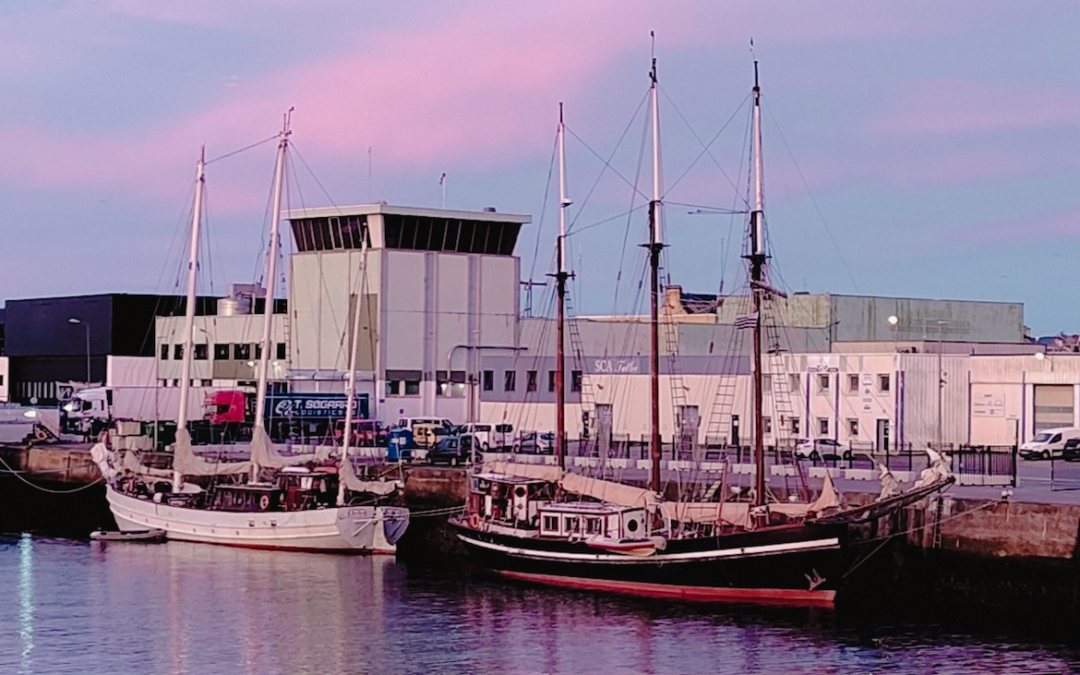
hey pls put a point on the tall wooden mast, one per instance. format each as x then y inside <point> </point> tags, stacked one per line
<point>758,258</point>
<point>560,282</point>
<point>655,246</point>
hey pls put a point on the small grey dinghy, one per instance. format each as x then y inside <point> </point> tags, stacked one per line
<point>142,536</point>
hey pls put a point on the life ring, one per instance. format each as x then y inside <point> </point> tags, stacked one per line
<point>264,502</point>
<point>474,521</point>
<point>40,434</point>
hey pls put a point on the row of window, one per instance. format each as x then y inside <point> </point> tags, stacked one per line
<point>222,352</point>
<point>824,383</point>
<point>572,524</point>
<point>823,426</point>
<point>531,380</point>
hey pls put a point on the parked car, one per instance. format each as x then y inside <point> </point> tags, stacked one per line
<point>454,450</point>
<point>1071,451</point>
<point>482,433</point>
<point>536,443</point>
<point>817,448</point>
<point>1048,443</point>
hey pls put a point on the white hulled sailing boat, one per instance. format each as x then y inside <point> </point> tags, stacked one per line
<point>548,525</point>
<point>284,502</point>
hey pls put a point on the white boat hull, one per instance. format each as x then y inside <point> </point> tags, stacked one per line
<point>349,529</point>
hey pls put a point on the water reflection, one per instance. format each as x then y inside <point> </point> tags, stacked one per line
<point>26,602</point>
<point>190,608</point>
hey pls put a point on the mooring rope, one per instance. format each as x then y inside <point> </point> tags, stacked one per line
<point>885,539</point>
<point>18,474</point>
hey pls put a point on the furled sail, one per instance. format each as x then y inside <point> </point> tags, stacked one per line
<point>188,463</point>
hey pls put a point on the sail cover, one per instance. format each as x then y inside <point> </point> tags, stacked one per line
<point>608,491</point>
<point>604,490</point>
<point>189,464</point>
<point>349,479</point>
<point>265,454</point>
<point>732,513</point>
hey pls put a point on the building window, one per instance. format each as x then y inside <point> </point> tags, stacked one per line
<point>221,352</point>
<point>242,352</point>
<point>575,381</point>
<point>206,383</point>
<point>489,380</point>
<point>201,351</point>
<point>853,428</point>
<point>795,426</point>
<point>393,387</point>
<point>164,352</point>
<point>412,387</point>
<point>258,352</point>
<point>530,380</point>
<point>178,352</point>
<point>883,382</point>
<point>793,381</point>
<point>853,384</point>
<point>280,351</point>
<point>766,383</point>
<point>823,426</point>
<point>823,383</point>
<point>551,380</point>
<point>767,423</point>
<point>509,380</point>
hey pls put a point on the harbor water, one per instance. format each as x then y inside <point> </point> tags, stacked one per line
<point>69,606</point>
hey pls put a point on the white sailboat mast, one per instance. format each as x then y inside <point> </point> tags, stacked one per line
<point>271,271</point>
<point>655,246</point>
<point>189,309</point>
<point>758,280</point>
<point>350,380</point>
<point>560,278</point>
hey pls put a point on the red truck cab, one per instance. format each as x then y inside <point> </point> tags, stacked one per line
<point>225,407</point>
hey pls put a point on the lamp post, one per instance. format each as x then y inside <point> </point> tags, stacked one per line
<point>86,325</point>
<point>941,383</point>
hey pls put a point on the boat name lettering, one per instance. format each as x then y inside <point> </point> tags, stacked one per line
<point>617,366</point>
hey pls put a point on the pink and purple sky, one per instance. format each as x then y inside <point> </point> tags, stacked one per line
<point>914,149</point>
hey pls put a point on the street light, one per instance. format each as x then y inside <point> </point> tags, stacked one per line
<point>86,325</point>
<point>941,382</point>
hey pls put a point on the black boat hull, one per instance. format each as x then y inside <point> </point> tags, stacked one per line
<point>786,565</point>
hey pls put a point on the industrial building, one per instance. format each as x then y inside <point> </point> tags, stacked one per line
<point>440,334</point>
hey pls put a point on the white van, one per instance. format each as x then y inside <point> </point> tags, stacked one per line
<point>1048,443</point>
<point>490,436</point>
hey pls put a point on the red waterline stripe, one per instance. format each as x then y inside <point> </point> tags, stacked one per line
<point>772,596</point>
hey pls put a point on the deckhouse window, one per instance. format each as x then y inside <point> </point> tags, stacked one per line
<point>593,526</point>
<point>551,523</point>
<point>572,524</point>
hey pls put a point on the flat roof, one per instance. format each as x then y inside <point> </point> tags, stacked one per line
<point>422,212</point>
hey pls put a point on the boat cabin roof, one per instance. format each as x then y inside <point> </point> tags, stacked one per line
<point>511,480</point>
<point>587,508</point>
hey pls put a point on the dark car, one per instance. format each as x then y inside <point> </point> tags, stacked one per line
<point>1071,451</point>
<point>453,450</point>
